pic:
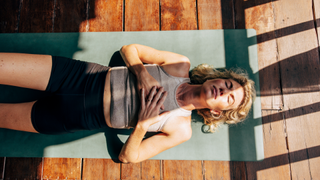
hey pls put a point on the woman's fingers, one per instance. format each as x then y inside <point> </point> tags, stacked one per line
<point>158,99</point>
<point>162,98</point>
<point>142,99</point>
<point>151,95</point>
<point>154,98</point>
<point>150,106</point>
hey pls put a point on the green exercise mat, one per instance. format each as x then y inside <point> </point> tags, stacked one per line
<point>221,48</point>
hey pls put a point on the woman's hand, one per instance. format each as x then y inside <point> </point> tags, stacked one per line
<point>146,81</point>
<point>150,107</point>
<point>136,148</point>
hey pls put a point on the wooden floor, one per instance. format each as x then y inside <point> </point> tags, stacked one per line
<point>288,50</point>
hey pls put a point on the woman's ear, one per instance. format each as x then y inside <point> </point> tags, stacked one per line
<point>215,112</point>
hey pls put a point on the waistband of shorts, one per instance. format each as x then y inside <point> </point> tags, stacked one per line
<point>94,92</point>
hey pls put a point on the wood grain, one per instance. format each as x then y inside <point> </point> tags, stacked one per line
<point>100,169</point>
<point>216,14</point>
<point>131,171</point>
<point>23,168</point>
<point>209,14</point>
<point>150,169</point>
<point>216,170</point>
<point>179,169</point>
<point>300,79</point>
<point>142,15</point>
<point>316,11</point>
<point>36,16</point>
<point>178,15</point>
<point>68,15</point>
<point>105,16</point>
<point>62,168</point>
<point>9,16</point>
<point>260,17</point>
<point>238,171</point>
<point>276,164</point>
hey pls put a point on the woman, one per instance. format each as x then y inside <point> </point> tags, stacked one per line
<point>90,96</point>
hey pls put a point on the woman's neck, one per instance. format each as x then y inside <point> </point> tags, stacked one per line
<point>188,96</point>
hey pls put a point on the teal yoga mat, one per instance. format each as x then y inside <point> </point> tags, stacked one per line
<point>221,48</point>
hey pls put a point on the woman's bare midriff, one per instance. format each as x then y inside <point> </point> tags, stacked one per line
<point>107,99</point>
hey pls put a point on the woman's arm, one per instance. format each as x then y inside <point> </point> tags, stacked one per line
<point>136,149</point>
<point>135,55</point>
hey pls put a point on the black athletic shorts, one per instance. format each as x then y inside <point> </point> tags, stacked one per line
<point>76,101</point>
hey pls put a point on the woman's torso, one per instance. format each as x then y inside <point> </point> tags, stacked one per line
<point>171,82</point>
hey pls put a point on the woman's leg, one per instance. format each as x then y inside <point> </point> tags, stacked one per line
<point>22,70</point>
<point>25,70</point>
<point>16,116</point>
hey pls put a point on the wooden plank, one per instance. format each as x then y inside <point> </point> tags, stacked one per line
<point>131,171</point>
<point>62,168</point>
<point>238,171</point>
<point>209,14</point>
<point>142,15</point>
<point>9,15</point>
<point>105,15</point>
<point>178,15</point>
<point>36,16</point>
<point>216,170</point>
<point>224,170</point>
<point>100,169</point>
<point>300,79</point>
<point>69,15</point>
<point>2,164</point>
<point>180,169</point>
<point>316,11</point>
<point>23,168</point>
<point>215,14</point>
<point>150,169</point>
<point>260,17</point>
<point>276,164</point>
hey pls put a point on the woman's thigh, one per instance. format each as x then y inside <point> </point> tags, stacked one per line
<point>16,116</point>
<point>25,70</point>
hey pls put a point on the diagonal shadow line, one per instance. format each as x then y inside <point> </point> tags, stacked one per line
<point>287,31</point>
<point>283,159</point>
<point>305,63</point>
<point>252,3</point>
<point>312,108</point>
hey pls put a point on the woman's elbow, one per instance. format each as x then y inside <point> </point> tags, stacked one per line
<point>124,48</point>
<point>126,159</point>
<point>122,159</point>
<point>184,62</point>
<point>185,59</point>
<point>128,46</point>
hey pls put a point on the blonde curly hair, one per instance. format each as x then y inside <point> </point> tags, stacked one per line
<point>203,72</point>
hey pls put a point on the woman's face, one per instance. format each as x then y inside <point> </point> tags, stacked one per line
<point>222,94</point>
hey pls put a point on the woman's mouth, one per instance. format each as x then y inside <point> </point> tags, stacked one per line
<point>214,92</point>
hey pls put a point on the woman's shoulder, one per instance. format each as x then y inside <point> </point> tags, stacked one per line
<point>178,69</point>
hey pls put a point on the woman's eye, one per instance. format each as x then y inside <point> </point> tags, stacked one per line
<point>231,85</point>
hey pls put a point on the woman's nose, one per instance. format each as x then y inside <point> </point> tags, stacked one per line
<point>224,91</point>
